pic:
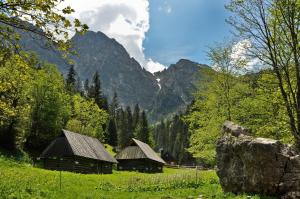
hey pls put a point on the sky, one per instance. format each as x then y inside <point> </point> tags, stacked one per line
<point>158,33</point>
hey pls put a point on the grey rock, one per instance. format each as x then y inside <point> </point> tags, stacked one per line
<point>178,83</point>
<point>256,165</point>
<point>234,129</point>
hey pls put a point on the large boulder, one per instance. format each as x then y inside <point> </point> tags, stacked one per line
<point>256,165</point>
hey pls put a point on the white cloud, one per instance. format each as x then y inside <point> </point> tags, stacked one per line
<point>125,20</point>
<point>240,53</point>
<point>153,66</point>
<point>239,50</point>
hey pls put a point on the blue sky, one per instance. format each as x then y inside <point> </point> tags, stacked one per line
<point>184,29</point>
<point>157,33</point>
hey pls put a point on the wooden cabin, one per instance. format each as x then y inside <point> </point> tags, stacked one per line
<point>139,156</point>
<point>77,153</point>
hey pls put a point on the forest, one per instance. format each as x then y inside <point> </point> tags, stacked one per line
<point>254,80</point>
<point>37,101</point>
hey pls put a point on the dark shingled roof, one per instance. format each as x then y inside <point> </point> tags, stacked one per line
<point>80,145</point>
<point>139,150</point>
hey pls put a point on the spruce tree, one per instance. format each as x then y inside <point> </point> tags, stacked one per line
<point>161,137</point>
<point>184,155</point>
<point>129,125</point>
<point>167,135</point>
<point>95,90</point>
<point>114,106</point>
<point>173,136</point>
<point>143,129</point>
<point>174,128</point>
<point>71,80</point>
<point>112,135</point>
<point>104,103</point>
<point>156,134</point>
<point>136,116</point>
<point>122,130</point>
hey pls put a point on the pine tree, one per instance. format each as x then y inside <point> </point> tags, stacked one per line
<point>184,155</point>
<point>71,80</point>
<point>95,90</point>
<point>114,106</point>
<point>104,104</point>
<point>136,116</point>
<point>176,146</point>
<point>156,134</point>
<point>112,135</point>
<point>173,136</point>
<point>121,129</point>
<point>162,132</point>
<point>169,140</point>
<point>129,125</point>
<point>143,129</point>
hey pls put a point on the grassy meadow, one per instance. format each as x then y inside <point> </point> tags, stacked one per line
<point>22,180</point>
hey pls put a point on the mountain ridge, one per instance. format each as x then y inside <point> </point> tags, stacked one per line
<point>121,73</point>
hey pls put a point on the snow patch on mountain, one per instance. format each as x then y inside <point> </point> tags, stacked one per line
<point>159,85</point>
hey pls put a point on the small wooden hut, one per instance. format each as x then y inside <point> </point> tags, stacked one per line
<point>139,156</point>
<point>77,153</point>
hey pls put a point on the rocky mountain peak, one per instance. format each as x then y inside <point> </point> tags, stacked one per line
<point>160,94</point>
<point>183,62</point>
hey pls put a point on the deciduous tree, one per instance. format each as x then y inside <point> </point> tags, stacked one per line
<point>50,108</point>
<point>47,19</point>
<point>272,27</point>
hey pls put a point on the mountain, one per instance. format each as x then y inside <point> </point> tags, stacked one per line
<point>96,52</point>
<point>118,71</point>
<point>160,94</point>
<point>177,85</point>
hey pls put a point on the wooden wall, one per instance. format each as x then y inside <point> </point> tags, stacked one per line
<point>78,165</point>
<point>141,165</point>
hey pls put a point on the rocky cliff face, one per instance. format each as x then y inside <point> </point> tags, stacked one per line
<point>118,71</point>
<point>161,94</point>
<point>177,85</point>
<point>257,165</point>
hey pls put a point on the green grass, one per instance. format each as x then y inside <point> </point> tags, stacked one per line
<point>21,180</point>
<point>110,149</point>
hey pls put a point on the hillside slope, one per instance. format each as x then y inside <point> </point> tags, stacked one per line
<point>122,74</point>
